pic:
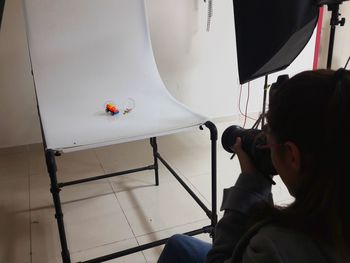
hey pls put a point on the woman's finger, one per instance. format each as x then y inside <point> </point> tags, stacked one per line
<point>246,163</point>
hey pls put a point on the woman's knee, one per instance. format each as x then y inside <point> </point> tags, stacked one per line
<point>184,249</point>
<point>177,240</point>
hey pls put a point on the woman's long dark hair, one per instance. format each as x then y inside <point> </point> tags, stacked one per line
<point>312,109</point>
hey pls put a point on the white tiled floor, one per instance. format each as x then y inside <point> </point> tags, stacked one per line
<point>106,216</point>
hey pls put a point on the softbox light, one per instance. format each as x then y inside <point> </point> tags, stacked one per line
<point>270,34</point>
<point>329,2</point>
<point>2,5</point>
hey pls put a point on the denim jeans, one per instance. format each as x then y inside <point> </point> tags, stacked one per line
<point>184,249</point>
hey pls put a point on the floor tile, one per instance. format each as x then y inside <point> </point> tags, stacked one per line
<point>152,254</point>
<point>45,241</point>
<point>113,214</point>
<point>95,222</point>
<point>35,147</point>
<point>14,193</point>
<point>140,179</point>
<point>89,223</point>
<point>14,220</point>
<point>77,165</point>
<point>86,191</point>
<point>37,164</point>
<point>14,165</point>
<point>14,150</point>
<point>15,236</point>
<point>125,156</point>
<point>190,163</point>
<point>154,208</point>
<point>40,196</point>
<point>111,248</point>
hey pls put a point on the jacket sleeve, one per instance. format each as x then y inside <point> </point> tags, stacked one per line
<point>250,191</point>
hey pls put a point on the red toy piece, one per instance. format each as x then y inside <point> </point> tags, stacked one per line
<point>110,107</point>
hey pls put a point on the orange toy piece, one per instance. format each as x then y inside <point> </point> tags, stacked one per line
<point>110,107</point>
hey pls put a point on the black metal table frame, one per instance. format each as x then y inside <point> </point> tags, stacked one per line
<point>56,187</point>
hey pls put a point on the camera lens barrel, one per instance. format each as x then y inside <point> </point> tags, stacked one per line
<point>252,140</point>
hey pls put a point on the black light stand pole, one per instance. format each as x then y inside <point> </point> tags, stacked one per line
<point>264,102</point>
<point>261,119</point>
<point>334,22</point>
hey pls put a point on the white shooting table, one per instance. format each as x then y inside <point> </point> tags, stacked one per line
<point>85,53</point>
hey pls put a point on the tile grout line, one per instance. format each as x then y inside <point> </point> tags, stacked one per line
<point>30,211</point>
<point>102,245</point>
<point>183,176</point>
<point>127,220</point>
<point>103,169</point>
<point>198,191</point>
<point>115,195</point>
<point>172,227</point>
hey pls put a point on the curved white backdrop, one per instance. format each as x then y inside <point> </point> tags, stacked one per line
<point>87,52</point>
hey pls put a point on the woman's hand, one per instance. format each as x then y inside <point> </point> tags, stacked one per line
<point>245,162</point>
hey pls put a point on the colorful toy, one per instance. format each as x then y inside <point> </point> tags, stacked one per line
<point>113,109</point>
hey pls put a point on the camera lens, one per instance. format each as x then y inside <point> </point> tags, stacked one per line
<point>252,140</point>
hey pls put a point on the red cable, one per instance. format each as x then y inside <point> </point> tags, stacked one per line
<point>318,39</point>
<point>246,106</point>
<point>239,104</point>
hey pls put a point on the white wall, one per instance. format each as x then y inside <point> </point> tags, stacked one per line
<point>18,115</point>
<point>199,68</point>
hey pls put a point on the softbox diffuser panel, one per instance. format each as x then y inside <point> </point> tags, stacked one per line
<point>2,5</point>
<point>270,34</point>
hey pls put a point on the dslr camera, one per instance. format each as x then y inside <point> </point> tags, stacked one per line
<point>254,140</point>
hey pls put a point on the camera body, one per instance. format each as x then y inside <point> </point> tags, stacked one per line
<point>253,142</point>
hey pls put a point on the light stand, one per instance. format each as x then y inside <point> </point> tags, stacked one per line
<point>311,11</point>
<point>335,20</point>
<point>280,80</point>
<point>261,118</point>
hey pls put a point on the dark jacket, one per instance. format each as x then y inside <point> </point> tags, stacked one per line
<point>266,242</point>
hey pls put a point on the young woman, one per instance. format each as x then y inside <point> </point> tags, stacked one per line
<point>308,135</point>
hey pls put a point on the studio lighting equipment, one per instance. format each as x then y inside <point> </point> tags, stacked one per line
<point>329,2</point>
<point>270,34</point>
<point>254,141</point>
<point>2,5</point>
<point>336,20</point>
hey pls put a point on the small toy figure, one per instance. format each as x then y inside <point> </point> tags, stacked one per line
<point>127,110</point>
<point>129,105</point>
<point>113,109</point>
